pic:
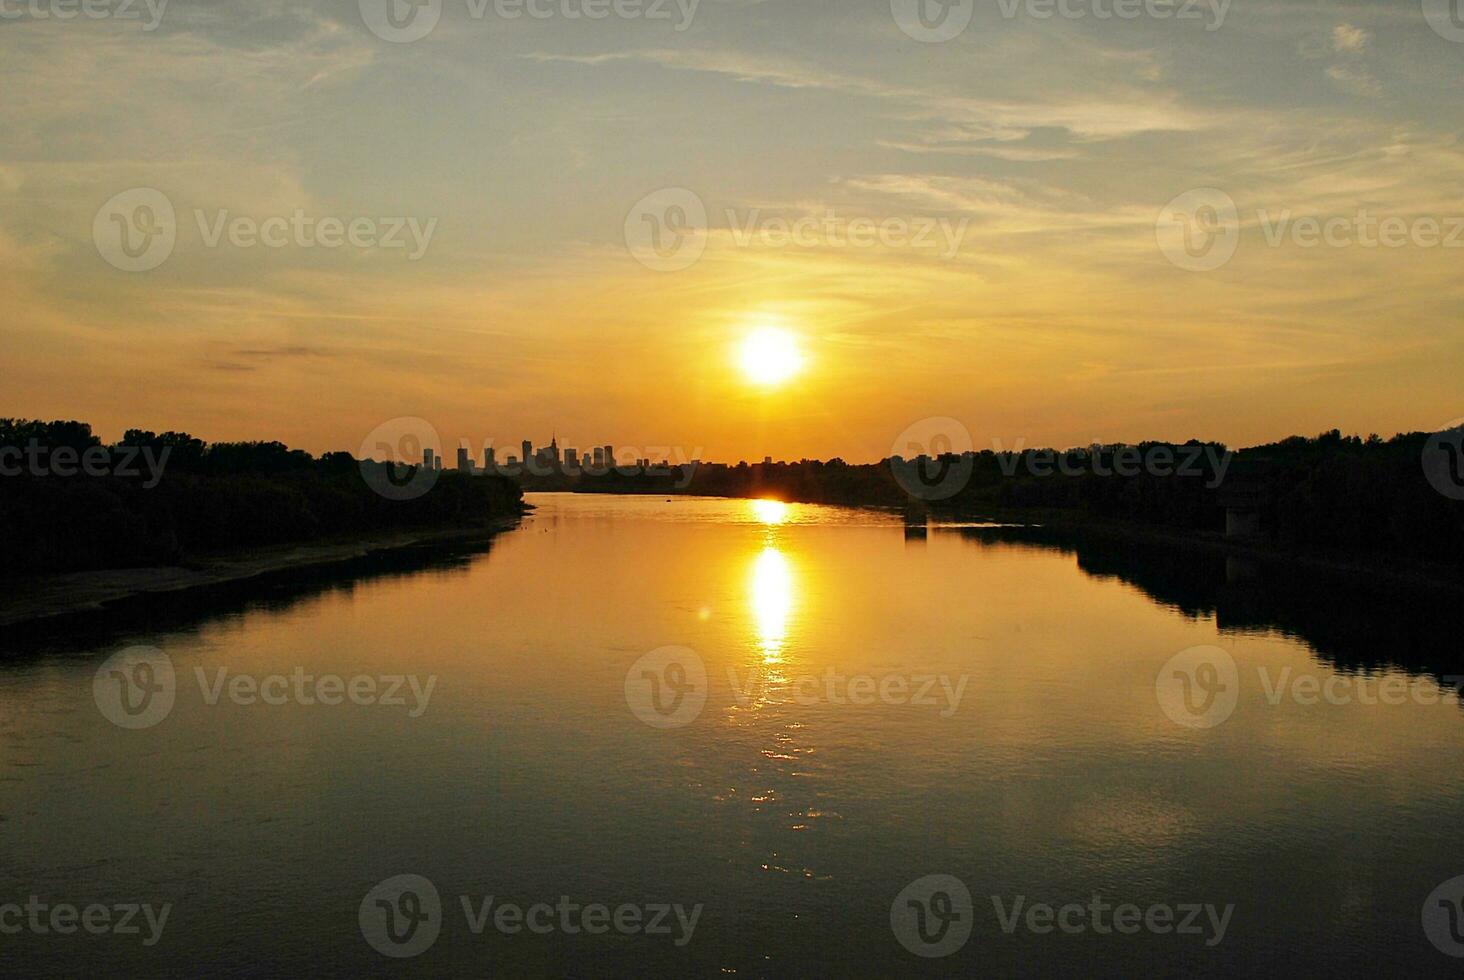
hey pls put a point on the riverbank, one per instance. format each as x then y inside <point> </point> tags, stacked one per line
<point>1392,572</point>
<point>36,599</point>
<point>1380,571</point>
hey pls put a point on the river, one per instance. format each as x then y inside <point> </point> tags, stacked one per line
<point>725,737</point>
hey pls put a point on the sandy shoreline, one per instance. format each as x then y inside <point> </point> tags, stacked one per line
<point>69,593</point>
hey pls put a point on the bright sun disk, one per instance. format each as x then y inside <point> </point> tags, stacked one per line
<point>770,356</point>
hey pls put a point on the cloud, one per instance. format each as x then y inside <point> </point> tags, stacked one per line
<point>1355,79</point>
<point>1113,114</point>
<point>1347,38</point>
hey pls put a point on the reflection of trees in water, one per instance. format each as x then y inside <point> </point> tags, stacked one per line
<point>140,619</point>
<point>1352,624</point>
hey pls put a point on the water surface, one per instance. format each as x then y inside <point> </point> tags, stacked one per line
<point>1013,740</point>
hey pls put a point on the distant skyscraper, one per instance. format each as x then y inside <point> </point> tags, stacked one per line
<point>571,458</point>
<point>465,462</point>
<point>489,463</point>
<point>599,457</point>
<point>528,448</point>
<point>609,456</point>
<point>426,459</point>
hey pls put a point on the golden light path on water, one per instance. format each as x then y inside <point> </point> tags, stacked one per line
<point>772,601</point>
<point>771,585</point>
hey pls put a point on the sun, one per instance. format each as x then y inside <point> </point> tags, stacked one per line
<point>770,356</point>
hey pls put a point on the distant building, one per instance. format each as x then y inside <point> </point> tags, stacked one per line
<point>571,459</point>
<point>427,459</point>
<point>464,462</point>
<point>599,457</point>
<point>528,448</point>
<point>489,463</point>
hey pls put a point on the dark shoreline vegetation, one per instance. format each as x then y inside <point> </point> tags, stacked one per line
<point>255,522</point>
<point>1343,499</point>
<point>1340,499</point>
<point>170,499</point>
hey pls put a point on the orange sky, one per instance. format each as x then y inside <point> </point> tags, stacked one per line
<point>613,207</point>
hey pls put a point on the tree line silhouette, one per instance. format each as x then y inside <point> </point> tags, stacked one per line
<point>1344,496</point>
<point>204,498</point>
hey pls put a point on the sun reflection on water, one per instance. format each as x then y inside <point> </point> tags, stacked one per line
<point>769,512</point>
<point>772,602</point>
